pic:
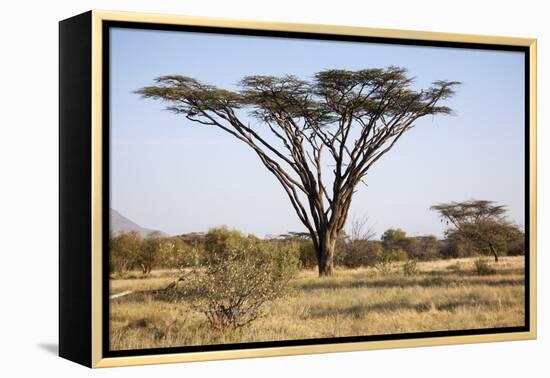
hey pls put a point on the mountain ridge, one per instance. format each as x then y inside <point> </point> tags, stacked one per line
<point>120,223</point>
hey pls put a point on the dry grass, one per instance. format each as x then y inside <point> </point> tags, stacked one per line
<point>445,295</point>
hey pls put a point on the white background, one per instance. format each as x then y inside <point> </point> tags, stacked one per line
<point>29,186</point>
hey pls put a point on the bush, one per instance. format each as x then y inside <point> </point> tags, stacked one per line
<point>385,264</point>
<point>394,238</point>
<point>151,252</point>
<point>423,248</point>
<point>410,268</point>
<point>516,247</point>
<point>128,250</point>
<point>354,254</point>
<point>306,253</point>
<point>123,249</point>
<point>482,267</point>
<point>192,256</point>
<point>173,253</point>
<point>456,247</point>
<point>238,276</point>
<point>396,255</point>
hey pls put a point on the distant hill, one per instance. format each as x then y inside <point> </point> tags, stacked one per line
<point>192,237</point>
<point>119,223</point>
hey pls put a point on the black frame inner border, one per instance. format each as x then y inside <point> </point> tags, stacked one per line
<point>107,25</point>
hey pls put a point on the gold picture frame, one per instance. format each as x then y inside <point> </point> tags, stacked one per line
<point>82,320</point>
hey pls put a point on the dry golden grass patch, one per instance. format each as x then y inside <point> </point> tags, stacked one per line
<point>135,280</point>
<point>445,295</point>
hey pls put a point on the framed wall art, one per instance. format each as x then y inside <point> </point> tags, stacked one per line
<point>234,189</point>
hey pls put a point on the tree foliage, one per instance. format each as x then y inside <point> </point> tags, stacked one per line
<point>393,239</point>
<point>122,250</point>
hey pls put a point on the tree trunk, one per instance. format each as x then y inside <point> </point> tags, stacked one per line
<point>325,255</point>
<point>494,252</point>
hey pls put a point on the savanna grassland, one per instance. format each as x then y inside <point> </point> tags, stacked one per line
<point>442,295</point>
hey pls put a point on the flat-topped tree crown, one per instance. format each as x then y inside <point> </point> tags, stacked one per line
<point>481,222</point>
<point>350,118</point>
<point>470,211</point>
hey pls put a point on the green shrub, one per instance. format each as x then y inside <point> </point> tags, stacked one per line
<point>385,264</point>
<point>455,247</point>
<point>151,252</point>
<point>482,267</point>
<point>191,256</point>
<point>238,276</point>
<point>123,249</point>
<point>410,268</point>
<point>172,253</point>
<point>129,250</point>
<point>423,248</point>
<point>516,247</point>
<point>306,254</point>
<point>221,239</point>
<point>394,238</point>
<point>398,255</point>
<point>357,253</point>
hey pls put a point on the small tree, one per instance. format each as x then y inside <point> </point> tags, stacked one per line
<point>394,238</point>
<point>481,222</point>
<point>153,250</point>
<point>123,249</point>
<point>173,253</point>
<point>238,276</point>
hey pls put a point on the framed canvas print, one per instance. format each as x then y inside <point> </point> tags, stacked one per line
<point>235,189</point>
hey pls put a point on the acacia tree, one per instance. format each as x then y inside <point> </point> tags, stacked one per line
<point>341,122</point>
<point>481,222</point>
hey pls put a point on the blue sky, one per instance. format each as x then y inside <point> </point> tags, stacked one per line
<point>176,176</point>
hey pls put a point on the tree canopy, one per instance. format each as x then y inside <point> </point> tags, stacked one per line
<point>342,119</point>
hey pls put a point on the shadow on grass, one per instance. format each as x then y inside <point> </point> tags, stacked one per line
<point>360,310</point>
<point>470,273</point>
<point>404,282</point>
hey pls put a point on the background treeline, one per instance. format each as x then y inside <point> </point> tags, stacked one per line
<point>395,245</point>
<point>130,251</point>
